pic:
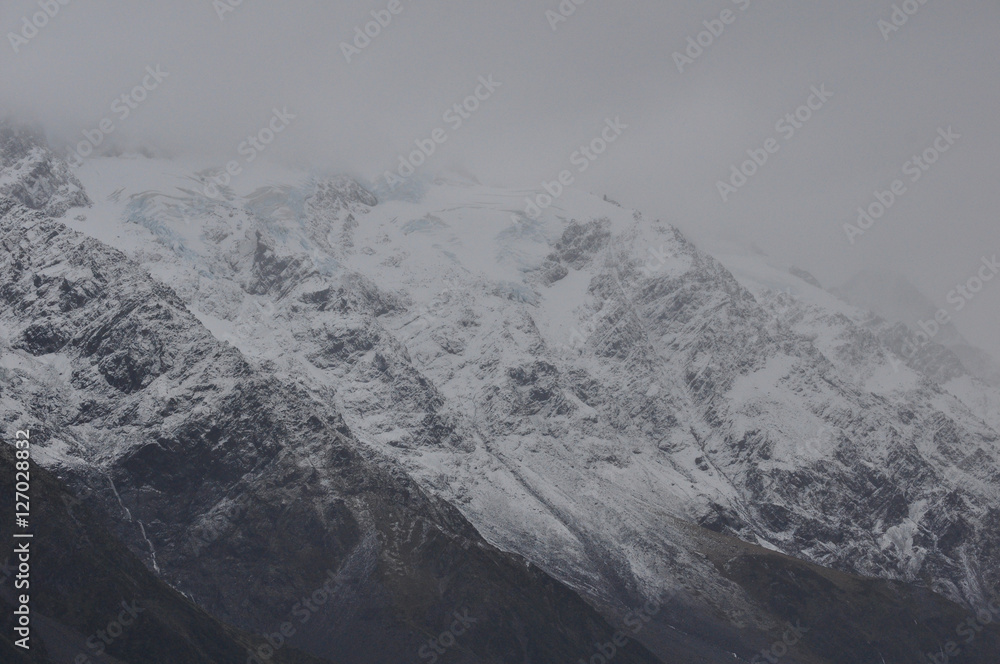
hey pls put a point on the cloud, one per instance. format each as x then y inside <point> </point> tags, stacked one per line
<point>228,72</point>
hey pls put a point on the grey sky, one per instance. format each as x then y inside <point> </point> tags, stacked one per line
<point>608,59</point>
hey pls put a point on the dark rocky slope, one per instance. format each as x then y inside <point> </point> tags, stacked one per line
<point>80,577</point>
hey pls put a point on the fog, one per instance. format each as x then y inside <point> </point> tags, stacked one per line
<point>228,67</point>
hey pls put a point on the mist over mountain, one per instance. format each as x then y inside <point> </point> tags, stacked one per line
<point>895,299</point>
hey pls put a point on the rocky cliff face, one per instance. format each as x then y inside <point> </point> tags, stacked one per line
<point>33,175</point>
<point>315,380</point>
<point>237,488</point>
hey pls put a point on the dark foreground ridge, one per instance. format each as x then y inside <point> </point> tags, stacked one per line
<point>84,581</point>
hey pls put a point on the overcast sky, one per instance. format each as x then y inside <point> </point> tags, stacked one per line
<point>608,59</point>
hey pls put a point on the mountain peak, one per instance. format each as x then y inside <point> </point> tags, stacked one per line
<point>33,175</point>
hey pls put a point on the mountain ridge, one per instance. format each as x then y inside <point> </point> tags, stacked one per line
<point>579,383</point>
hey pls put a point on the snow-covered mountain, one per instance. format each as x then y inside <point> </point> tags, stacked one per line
<point>590,390</point>
<point>895,299</point>
<point>33,175</point>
